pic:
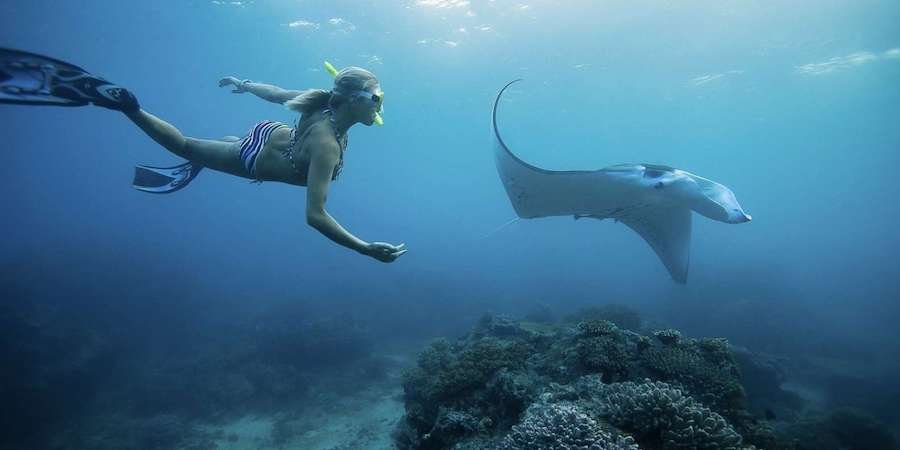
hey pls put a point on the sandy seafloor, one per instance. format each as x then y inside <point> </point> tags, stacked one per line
<point>363,417</point>
<point>363,421</point>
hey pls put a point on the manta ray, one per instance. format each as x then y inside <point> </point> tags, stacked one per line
<point>653,200</point>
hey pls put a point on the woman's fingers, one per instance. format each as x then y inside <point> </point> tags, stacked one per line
<point>391,257</point>
<point>386,246</point>
<point>232,81</point>
<point>388,253</point>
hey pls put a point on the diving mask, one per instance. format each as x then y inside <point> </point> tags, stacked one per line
<point>376,98</point>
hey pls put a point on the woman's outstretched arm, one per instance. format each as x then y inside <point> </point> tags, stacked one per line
<point>264,91</point>
<point>324,156</point>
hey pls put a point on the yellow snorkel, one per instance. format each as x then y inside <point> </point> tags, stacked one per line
<point>331,69</point>
<point>378,120</point>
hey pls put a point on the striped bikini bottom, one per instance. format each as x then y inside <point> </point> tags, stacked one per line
<point>254,142</point>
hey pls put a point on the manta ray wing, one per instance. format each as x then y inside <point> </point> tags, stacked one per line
<point>536,192</point>
<point>668,231</point>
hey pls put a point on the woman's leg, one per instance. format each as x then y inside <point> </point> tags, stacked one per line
<point>216,155</point>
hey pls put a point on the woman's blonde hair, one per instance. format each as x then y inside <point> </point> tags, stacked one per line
<point>309,101</point>
<point>348,80</point>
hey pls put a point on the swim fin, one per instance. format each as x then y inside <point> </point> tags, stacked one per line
<point>30,79</point>
<point>164,180</point>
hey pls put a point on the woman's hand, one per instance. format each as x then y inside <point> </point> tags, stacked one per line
<point>385,252</point>
<point>238,84</point>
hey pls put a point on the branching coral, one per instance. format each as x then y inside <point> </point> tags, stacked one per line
<point>658,413</point>
<point>475,365</point>
<point>507,395</point>
<point>596,328</point>
<point>449,426</point>
<point>643,343</point>
<point>562,426</point>
<point>444,373</point>
<point>601,347</point>
<point>623,316</point>
<point>668,337</point>
<point>712,378</point>
<point>604,355</point>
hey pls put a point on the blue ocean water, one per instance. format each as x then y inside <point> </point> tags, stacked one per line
<point>792,105</point>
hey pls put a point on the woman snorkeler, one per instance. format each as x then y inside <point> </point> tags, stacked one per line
<point>311,154</point>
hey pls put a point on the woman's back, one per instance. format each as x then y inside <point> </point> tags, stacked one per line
<point>287,154</point>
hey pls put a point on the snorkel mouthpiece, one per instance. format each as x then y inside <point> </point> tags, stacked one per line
<point>334,72</point>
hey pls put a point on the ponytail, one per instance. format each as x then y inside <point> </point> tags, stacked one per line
<point>309,101</point>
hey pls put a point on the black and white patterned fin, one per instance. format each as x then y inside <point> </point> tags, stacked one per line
<point>164,180</point>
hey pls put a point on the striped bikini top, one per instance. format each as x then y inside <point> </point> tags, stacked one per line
<point>302,130</point>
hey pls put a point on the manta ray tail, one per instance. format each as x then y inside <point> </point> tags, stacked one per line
<point>501,227</point>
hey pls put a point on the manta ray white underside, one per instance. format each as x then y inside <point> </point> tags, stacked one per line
<point>655,201</point>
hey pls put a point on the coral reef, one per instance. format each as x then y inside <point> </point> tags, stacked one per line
<point>599,382</point>
<point>562,426</point>
<point>450,426</point>
<point>705,369</point>
<point>601,348</point>
<point>657,412</point>
<point>668,337</point>
<point>597,328</point>
<point>475,364</point>
<point>446,371</point>
<point>587,384</point>
<point>507,394</point>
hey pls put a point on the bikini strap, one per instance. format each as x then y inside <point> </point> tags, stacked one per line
<point>295,140</point>
<point>342,144</point>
